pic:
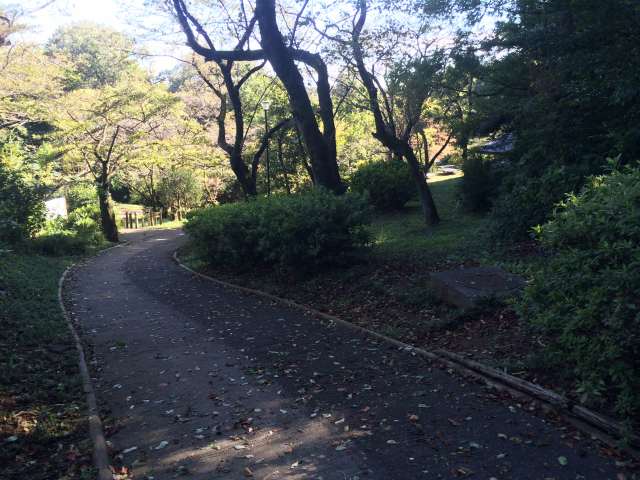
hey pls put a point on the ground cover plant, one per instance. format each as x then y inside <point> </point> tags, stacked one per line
<point>42,403</point>
<point>583,298</point>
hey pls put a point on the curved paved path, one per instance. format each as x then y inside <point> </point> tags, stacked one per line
<point>207,383</point>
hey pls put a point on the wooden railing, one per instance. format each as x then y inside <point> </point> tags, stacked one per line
<point>141,218</point>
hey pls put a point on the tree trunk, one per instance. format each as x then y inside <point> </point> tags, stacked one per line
<point>319,147</point>
<point>107,216</point>
<point>429,209</point>
<point>245,179</point>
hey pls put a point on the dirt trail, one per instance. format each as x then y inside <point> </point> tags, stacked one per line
<point>202,382</point>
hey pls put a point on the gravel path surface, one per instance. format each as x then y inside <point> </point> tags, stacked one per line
<point>202,382</point>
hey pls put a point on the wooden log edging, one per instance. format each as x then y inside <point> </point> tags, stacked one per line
<point>599,426</point>
<point>96,432</point>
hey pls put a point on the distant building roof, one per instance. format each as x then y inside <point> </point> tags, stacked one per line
<point>503,144</point>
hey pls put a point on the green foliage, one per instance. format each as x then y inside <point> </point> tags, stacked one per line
<point>85,222</point>
<point>354,141</point>
<point>75,235</point>
<point>388,184</point>
<point>58,244</point>
<point>21,207</point>
<point>479,184</point>
<point>302,231</point>
<point>80,195</point>
<point>180,188</point>
<point>39,372</point>
<point>98,55</point>
<point>29,85</point>
<point>562,77</point>
<point>585,296</point>
<point>527,201</point>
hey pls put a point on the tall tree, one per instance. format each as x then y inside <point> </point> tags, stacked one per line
<point>397,110</point>
<point>30,82</point>
<point>98,56</point>
<point>320,144</point>
<point>102,130</point>
<point>226,84</point>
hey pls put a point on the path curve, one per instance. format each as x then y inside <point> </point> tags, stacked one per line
<point>204,382</point>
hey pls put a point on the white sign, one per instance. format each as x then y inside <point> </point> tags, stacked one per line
<point>56,207</point>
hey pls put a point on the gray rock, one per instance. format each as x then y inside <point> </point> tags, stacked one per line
<point>464,287</point>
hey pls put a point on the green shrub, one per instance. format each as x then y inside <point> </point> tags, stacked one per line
<point>230,193</point>
<point>388,184</point>
<point>479,185</point>
<point>74,235</point>
<point>528,200</point>
<point>80,195</point>
<point>59,244</point>
<point>85,222</point>
<point>303,231</point>
<point>585,297</point>
<point>22,211</point>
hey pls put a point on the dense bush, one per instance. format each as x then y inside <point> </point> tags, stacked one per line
<point>81,194</point>
<point>585,297</point>
<point>231,192</point>
<point>479,184</point>
<point>303,231</point>
<point>76,234</point>
<point>387,183</point>
<point>526,201</point>
<point>59,244</point>
<point>22,211</point>
<point>85,222</point>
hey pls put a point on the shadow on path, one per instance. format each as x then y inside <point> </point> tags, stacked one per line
<point>203,382</point>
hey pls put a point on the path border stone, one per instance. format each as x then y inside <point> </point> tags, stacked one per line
<point>96,432</point>
<point>598,426</point>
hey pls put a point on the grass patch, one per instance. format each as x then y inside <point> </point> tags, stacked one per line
<point>42,408</point>
<point>120,208</point>
<point>404,234</point>
<point>167,225</point>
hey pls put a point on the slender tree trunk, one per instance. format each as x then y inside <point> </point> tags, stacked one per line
<point>429,210</point>
<point>425,150</point>
<point>107,215</point>
<point>245,179</point>
<point>385,132</point>
<point>465,137</point>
